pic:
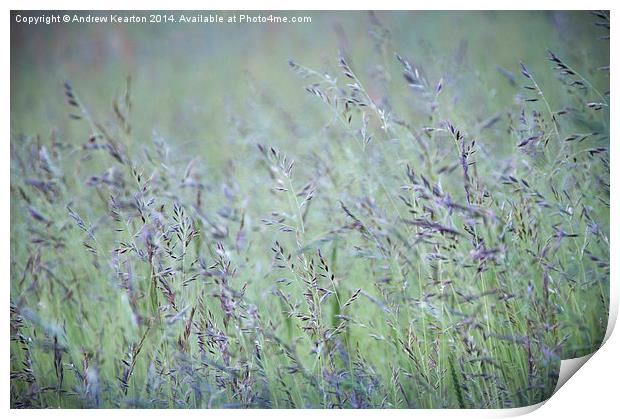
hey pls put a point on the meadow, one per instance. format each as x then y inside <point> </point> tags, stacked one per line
<point>368,210</point>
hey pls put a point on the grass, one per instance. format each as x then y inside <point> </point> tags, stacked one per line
<point>412,221</point>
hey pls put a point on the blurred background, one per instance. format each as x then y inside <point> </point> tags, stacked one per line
<point>193,82</point>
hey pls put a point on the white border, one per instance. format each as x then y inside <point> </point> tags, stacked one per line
<point>593,392</point>
<point>314,5</point>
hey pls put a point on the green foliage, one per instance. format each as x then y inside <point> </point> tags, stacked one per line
<point>415,220</point>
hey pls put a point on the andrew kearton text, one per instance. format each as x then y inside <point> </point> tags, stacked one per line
<point>171,17</point>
